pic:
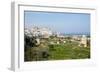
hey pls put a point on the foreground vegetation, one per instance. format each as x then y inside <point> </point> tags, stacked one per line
<point>47,51</point>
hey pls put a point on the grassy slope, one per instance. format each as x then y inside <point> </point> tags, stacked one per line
<point>69,51</point>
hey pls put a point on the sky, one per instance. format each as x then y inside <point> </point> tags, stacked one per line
<point>74,23</point>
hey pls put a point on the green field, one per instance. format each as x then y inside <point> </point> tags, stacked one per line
<point>61,51</point>
<point>69,51</point>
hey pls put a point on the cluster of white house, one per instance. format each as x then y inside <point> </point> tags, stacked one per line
<point>46,33</point>
<point>38,32</point>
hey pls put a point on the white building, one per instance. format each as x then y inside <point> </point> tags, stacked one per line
<point>38,32</point>
<point>83,41</point>
<point>27,32</point>
<point>45,33</point>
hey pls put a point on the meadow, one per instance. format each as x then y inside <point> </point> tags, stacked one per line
<point>49,49</point>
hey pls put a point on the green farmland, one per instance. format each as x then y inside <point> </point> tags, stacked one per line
<point>61,51</point>
<point>69,51</point>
